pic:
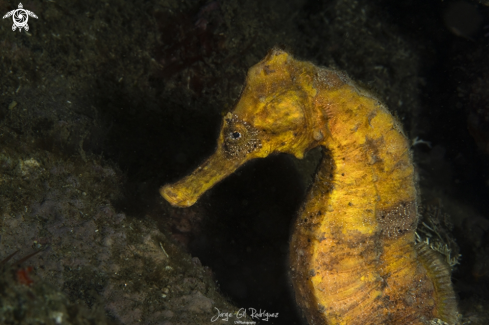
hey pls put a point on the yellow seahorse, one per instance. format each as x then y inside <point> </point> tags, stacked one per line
<point>353,256</point>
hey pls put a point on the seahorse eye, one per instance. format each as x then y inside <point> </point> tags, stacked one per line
<point>235,135</point>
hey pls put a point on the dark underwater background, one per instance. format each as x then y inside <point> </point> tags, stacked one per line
<point>103,102</point>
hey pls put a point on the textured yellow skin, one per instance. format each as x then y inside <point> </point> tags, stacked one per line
<point>352,254</point>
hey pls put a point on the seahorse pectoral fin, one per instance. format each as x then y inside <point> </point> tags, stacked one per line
<point>188,190</point>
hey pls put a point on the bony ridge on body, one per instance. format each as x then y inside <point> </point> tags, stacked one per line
<point>353,256</point>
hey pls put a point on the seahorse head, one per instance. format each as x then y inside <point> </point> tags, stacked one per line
<point>275,109</point>
<point>273,115</point>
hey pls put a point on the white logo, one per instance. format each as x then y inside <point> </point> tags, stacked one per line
<point>20,17</point>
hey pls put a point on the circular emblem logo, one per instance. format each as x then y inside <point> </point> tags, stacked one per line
<point>20,17</point>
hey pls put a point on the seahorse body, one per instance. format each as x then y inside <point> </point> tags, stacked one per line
<point>353,255</point>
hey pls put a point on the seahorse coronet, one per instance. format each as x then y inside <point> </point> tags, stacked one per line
<point>353,258</point>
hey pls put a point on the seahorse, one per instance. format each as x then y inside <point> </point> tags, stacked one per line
<point>353,256</point>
